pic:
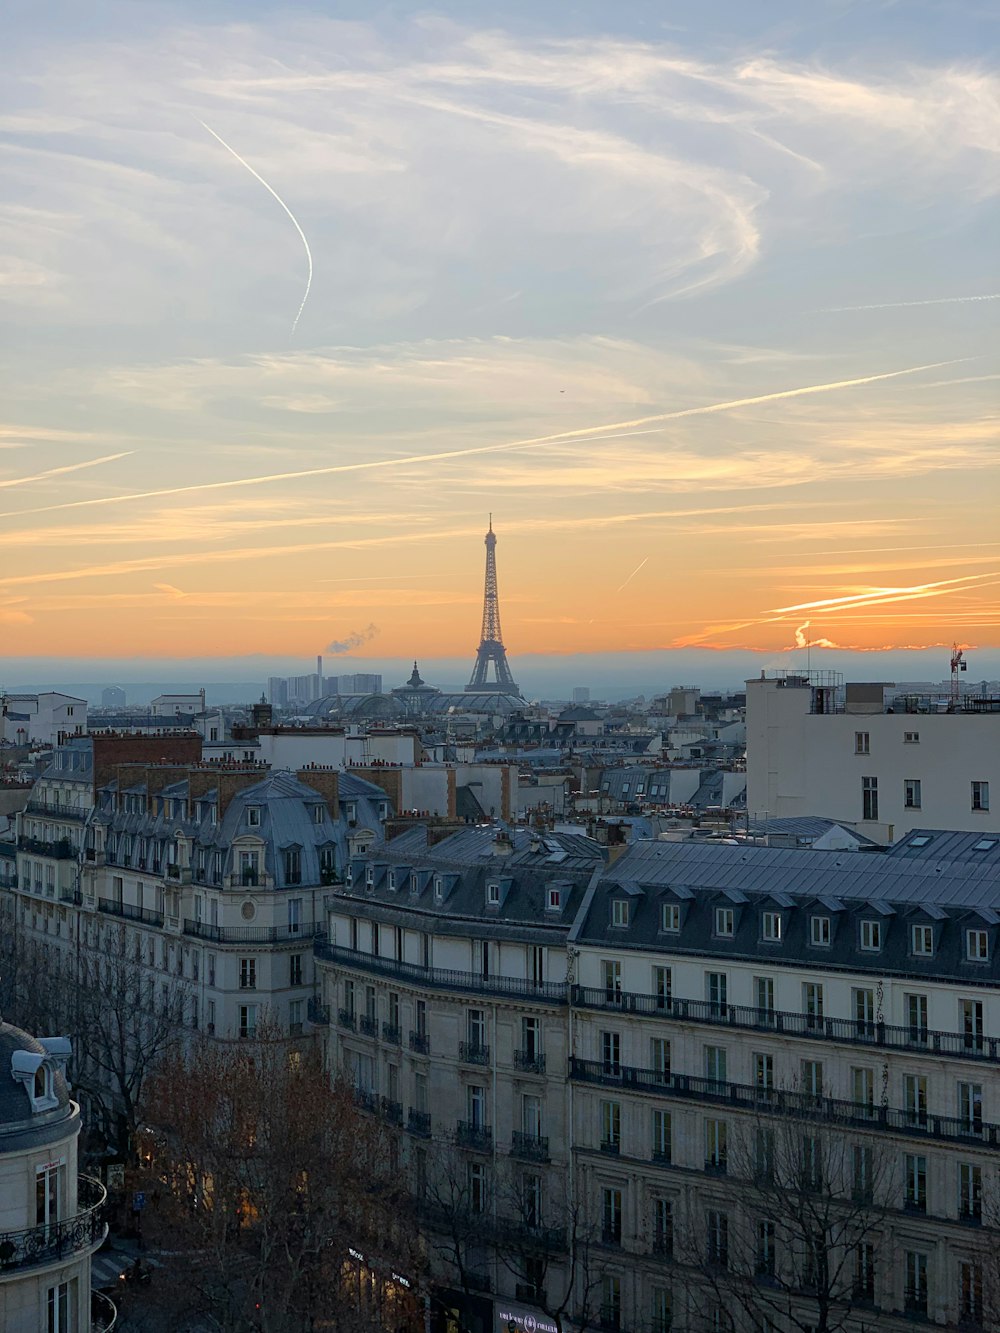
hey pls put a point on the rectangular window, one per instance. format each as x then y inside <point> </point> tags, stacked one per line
<point>611,1126</point>
<point>915,1098</point>
<point>295,969</point>
<point>716,988</point>
<point>864,1271</point>
<point>531,1115</point>
<point>492,893</point>
<point>611,1052</point>
<point>420,1017</point>
<point>476,1028</point>
<point>60,1302</point>
<point>420,1093</point>
<point>970,1192</point>
<point>293,866</point>
<point>248,1021</point>
<point>476,1100</point>
<point>812,1162</point>
<point>916,1018</point>
<point>911,737</point>
<point>915,1293</point>
<point>863,1185</point>
<point>715,1145</point>
<point>724,920</point>
<point>659,1057</point>
<point>819,932</point>
<point>970,1106</point>
<point>915,1182</point>
<point>972,1024</point>
<point>862,742</point>
<point>977,946</point>
<point>771,927</point>
<point>248,974</point>
<point>477,1187</point>
<point>764,996</point>
<point>869,798</point>
<point>619,912</point>
<point>661,1315</point>
<point>970,1292</point>
<point>980,796</point>
<point>863,1088</point>
<point>536,964</point>
<point>922,940</point>
<point>715,1064</point>
<point>294,916</point>
<point>911,793</point>
<point>871,936</point>
<point>763,1070</point>
<point>531,1038</point>
<point>295,1018</point>
<point>764,1261</point>
<point>670,918</point>
<point>812,1077</point>
<point>763,1154</point>
<point>812,1004</point>
<point>663,1226</point>
<point>611,1215</point>
<point>662,1136</point>
<point>349,999</point>
<point>612,973</point>
<point>611,1301</point>
<point>717,1237</point>
<point>663,986</point>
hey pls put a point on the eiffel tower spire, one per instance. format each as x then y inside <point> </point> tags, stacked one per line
<point>491,649</point>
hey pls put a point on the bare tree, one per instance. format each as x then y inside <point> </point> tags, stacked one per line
<point>271,1186</point>
<point>798,1237</point>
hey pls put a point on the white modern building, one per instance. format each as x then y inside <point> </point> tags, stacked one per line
<point>51,1217</point>
<point>866,755</point>
<point>41,719</point>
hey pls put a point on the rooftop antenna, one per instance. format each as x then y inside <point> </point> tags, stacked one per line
<point>958,663</point>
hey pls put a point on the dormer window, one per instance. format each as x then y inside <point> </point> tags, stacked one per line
<point>391,880</point>
<point>492,894</point>
<point>318,812</point>
<point>370,876</point>
<point>554,900</point>
<point>871,936</point>
<point>819,932</point>
<point>349,875</point>
<point>35,1072</point>
<point>670,918</point>
<point>977,946</point>
<point>771,927</point>
<point>438,889</point>
<point>724,922</point>
<point>619,913</point>
<point>922,941</point>
<point>253,816</point>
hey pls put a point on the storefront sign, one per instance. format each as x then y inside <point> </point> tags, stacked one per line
<point>508,1318</point>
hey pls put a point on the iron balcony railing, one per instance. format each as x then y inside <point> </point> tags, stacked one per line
<point>57,1240</point>
<point>58,808</point>
<point>534,1147</point>
<point>368,1025</point>
<point>909,1037</point>
<point>420,1043</point>
<point>130,912</point>
<point>529,1061</point>
<point>472,1135</point>
<point>103,1313</point>
<point>439,978</point>
<point>317,1013</point>
<point>392,1110</point>
<point>473,1053</point>
<point>250,934</point>
<point>346,1018</point>
<point>391,1033</point>
<point>780,1101</point>
<point>60,850</point>
<point>419,1122</point>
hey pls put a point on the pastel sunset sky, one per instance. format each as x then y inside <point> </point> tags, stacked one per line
<point>700,300</point>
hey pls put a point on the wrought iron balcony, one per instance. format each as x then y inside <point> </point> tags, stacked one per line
<point>419,1122</point>
<point>297,934</point>
<point>130,912</point>
<point>393,1111</point>
<point>366,1099</point>
<point>60,850</point>
<point>535,1147</point>
<point>439,978</point>
<point>391,1033</point>
<point>346,1019</point>
<point>916,1123</point>
<point>368,1024</point>
<point>532,1062</point>
<point>58,1240</point>
<point>857,1032</point>
<point>420,1043</point>
<point>317,1013</point>
<point>59,809</point>
<point>472,1053</point>
<point>103,1313</point>
<point>472,1135</point>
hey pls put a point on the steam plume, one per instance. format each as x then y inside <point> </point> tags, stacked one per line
<point>354,640</point>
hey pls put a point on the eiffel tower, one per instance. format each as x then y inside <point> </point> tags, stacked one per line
<point>491,647</point>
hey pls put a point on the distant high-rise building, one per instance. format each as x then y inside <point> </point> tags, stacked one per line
<point>277,691</point>
<point>363,682</point>
<point>113,697</point>
<point>304,689</point>
<point>581,694</point>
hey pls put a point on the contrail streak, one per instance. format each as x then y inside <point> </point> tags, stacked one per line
<point>901,305</point>
<point>624,429</point>
<point>277,196</point>
<point>59,471</point>
<point>633,574</point>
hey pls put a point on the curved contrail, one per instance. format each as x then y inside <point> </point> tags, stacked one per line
<point>276,195</point>
<point>899,305</point>
<point>594,434</point>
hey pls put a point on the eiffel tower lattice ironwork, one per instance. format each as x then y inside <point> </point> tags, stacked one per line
<point>491,649</point>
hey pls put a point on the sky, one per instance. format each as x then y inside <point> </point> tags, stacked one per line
<point>700,301</point>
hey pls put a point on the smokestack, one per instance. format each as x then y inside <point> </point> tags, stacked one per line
<point>319,667</point>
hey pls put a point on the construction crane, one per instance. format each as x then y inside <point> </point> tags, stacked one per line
<point>958,663</point>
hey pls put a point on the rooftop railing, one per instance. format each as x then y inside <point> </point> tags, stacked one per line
<point>439,978</point>
<point>911,1037</point>
<point>58,1240</point>
<point>916,1122</point>
<point>60,809</point>
<point>250,934</point>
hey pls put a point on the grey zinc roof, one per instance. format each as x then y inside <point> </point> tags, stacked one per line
<point>476,844</point>
<point>805,872</point>
<point>942,845</point>
<point>15,1105</point>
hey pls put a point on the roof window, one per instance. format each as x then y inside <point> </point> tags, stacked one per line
<point>253,816</point>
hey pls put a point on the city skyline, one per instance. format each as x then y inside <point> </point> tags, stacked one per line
<point>702,313</point>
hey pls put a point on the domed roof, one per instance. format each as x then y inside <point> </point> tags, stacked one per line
<point>15,1102</point>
